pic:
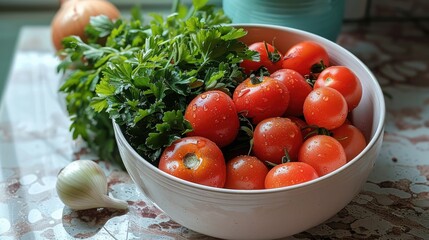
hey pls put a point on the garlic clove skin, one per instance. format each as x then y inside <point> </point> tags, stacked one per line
<point>82,184</point>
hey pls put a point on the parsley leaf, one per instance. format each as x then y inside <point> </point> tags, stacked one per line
<point>142,76</point>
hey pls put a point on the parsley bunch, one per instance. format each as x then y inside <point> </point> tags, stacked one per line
<point>143,75</point>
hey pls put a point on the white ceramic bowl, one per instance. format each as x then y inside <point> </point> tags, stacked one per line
<point>273,213</point>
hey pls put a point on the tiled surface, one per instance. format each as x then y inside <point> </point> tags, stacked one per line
<point>397,51</point>
<point>399,9</point>
<point>35,144</point>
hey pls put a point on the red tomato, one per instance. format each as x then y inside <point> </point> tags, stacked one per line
<point>306,130</point>
<point>322,152</point>
<point>304,56</point>
<point>344,80</point>
<point>212,114</point>
<point>269,57</point>
<point>325,107</point>
<point>298,89</point>
<point>290,173</point>
<point>259,100</point>
<point>298,121</point>
<point>245,172</point>
<point>273,137</point>
<point>351,138</point>
<point>195,159</point>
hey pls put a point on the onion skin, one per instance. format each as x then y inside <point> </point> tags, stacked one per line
<point>74,15</point>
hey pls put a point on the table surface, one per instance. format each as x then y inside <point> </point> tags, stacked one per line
<point>35,144</point>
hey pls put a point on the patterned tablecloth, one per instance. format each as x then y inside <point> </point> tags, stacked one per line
<point>35,144</point>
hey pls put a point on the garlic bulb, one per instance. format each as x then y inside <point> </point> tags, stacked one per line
<point>83,185</point>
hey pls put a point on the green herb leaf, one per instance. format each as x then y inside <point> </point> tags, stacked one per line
<point>100,26</point>
<point>198,4</point>
<point>172,128</point>
<point>142,76</point>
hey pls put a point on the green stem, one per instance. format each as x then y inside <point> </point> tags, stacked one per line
<point>256,79</point>
<point>175,6</point>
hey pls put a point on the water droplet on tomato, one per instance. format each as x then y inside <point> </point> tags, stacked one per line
<point>243,92</point>
<point>201,143</point>
<point>172,165</point>
<point>325,98</point>
<point>264,100</point>
<point>205,108</point>
<point>203,96</point>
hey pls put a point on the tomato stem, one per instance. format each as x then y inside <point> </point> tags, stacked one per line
<point>272,56</point>
<point>270,164</point>
<point>250,146</point>
<point>286,157</point>
<point>191,160</point>
<point>310,80</point>
<point>318,67</point>
<point>315,70</point>
<point>256,79</point>
<point>316,130</point>
<point>248,130</point>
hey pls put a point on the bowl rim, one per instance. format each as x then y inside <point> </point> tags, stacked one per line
<point>376,136</point>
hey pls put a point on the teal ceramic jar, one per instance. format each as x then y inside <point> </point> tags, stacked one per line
<point>321,17</point>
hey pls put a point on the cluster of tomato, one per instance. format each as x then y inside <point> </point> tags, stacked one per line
<point>300,131</point>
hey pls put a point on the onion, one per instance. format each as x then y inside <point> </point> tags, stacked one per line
<point>74,15</point>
